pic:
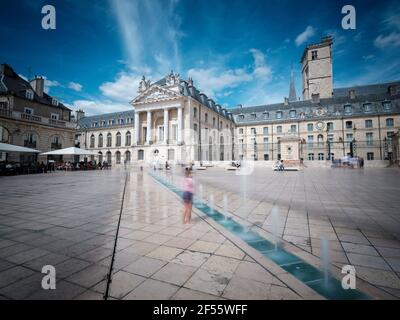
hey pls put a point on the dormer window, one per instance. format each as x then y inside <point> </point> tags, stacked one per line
<point>292,113</point>
<point>54,102</point>
<point>29,94</point>
<point>253,116</point>
<point>367,107</point>
<point>387,105</point>
<point>103,123</point>
<point>279,115</point>
<point>266,115</point>
<point>241,116</point>
<point>348,109</point>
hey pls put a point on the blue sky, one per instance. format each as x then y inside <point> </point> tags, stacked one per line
<point>237,51</point>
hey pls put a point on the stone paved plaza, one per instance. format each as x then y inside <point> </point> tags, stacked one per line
<point>69,220</point>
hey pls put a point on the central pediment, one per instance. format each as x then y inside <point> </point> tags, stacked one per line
<point>155,94</point>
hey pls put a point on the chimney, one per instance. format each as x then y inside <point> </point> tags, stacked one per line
<point>38,85</point>
<point>315,98</point>
<point>79,114</point>
<point>286,101</point>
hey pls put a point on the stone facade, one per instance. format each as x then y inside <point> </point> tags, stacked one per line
<point>31,118</point>
<point>317,70</point>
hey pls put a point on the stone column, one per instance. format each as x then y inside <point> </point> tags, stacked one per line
<point>180,118</point>
<point>166,124</point>
<point>148,138</point>
<point>137,128</point>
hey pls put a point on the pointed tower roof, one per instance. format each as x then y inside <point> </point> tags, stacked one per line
<point>292,91</point>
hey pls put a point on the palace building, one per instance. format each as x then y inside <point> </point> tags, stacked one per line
<point>173,121</point>
<point>31,118</point>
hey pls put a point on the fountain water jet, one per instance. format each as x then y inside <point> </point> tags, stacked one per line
<point>275,225</point>
<point>325,259</point>
<point>226,207</point>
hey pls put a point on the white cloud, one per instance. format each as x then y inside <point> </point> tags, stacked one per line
<point>48,84</point>
<point>305,36</point>
<point>214,81</point>
<point>93,107</point>
<point>390,40</point>
<point>75,86</point>
<point>261,69</point>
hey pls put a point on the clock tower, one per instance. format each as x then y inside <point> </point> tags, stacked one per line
<point>317,70</point>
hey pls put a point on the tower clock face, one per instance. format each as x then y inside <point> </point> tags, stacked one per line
<point>320,125</point>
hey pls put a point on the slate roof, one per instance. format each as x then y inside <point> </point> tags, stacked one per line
<point>376,97</point>
<point>12,83</point>
<point>86,122</point>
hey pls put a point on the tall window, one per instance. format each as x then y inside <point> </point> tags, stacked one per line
<point>206,118</point>
<point>266,147</point>
<point>213,121</point>
<point>109,140</point>
<point>118,157</point>
<point>310,141</point>
<point>293,128</point>
<point>128,138</point>
<point>370,156</point>
<point>320,156</point>
<point>265,131</point>
<point>118,142</point>
<point>389,122</point>
<point>195,112</point>
<point>128,157</point>
<point>31,140</point>
<point>279,129</point>
<point>92,141</point>
<point>253,131</point>
<point>349,124</point>
<point>310,127</point>
<point>368,123</point>
<point>349,137</point>
<point>108,156</point>
<point>240,130</point>
<point>369,137</point>
<point>140,154</point>
<point>320,139</point>
<point>311,156</point>
<point>100,144</point>
<point>329,126</point>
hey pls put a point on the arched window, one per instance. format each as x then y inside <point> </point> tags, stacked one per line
<point>31,140</point>
<point>140,154</point>
<point>4,135</point>
<point>118,157</point>
<point>221,148</point>
<point>118,142</point>
<point>100,155</point>
<point>108,155</point>
<point>56,143</point>
<point>311,156</point>
<point>100,143</point>
<point>92,141</point>
<point>320,139</point>
<point>109,140</point>
<point>128,157</point>
<point>128,139</point>
<point>389,122</point>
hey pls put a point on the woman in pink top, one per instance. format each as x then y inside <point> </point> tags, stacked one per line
<point>187,196</point>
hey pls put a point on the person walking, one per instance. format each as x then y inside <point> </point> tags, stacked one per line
<point>188,191</point>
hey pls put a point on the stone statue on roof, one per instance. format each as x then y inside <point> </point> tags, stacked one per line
<point>144,84</point>
<point>173,78</point>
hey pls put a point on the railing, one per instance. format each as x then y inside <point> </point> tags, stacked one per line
<point>29,117</point>
<point>56,146</point>
<point>29,144</point>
